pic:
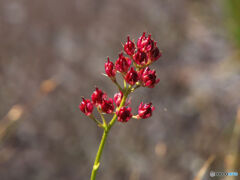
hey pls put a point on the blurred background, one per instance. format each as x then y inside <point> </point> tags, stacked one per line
<point>53,52</point>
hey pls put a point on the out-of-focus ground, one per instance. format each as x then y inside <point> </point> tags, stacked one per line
<point>53,52</point>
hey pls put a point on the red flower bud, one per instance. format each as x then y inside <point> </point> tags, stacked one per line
<point>149,44</point>
<point>107,106</point>
<point>110,69</point>
<point>131,76</point>
<point>124,114</point>
<point>148,77</point>
<point>86,106</point>
<point>123,63</point>
<point>129,47</point>
<point>155,54</point>
<point>118,98</point>
<point>140,58</point>
<point>98,96</point>
<point>140,42</point>
<point>145,110</point>
<point>145,44</point>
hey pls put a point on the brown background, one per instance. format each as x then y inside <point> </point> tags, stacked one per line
<point>67,42</point>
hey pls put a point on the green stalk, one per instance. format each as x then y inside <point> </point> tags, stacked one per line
<point>105,134</point>
<point>95,120</point>
<point>98,156</point>
<point>103,119</point>
<point>116,83</point>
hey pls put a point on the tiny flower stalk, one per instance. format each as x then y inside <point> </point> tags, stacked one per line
<point>141,55</point>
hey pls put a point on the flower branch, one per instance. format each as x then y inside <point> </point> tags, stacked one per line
<point>141,55</point>
<point>95,120</point>
<point>102,116</point>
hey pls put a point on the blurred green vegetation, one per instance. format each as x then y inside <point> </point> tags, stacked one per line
<point>233,14</point>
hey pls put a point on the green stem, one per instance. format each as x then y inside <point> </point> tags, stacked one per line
<point>116,83</point>
<point>125,84</point>
<point>134,88</point>
<point>103,119</point>
<point>105,134</point>
<point>98,156</point>
<point>95,120</point>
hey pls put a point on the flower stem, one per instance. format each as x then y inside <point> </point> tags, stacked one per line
<point>95,120</point>
<point>105,134</point>
<point>98,156</point>
<point>118,85</point>
<point>103,119</point>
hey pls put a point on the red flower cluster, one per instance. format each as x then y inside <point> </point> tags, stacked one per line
<point>148,51</point>
<point>145,54</point>
<point>99,99</point>
<point>142,54</point>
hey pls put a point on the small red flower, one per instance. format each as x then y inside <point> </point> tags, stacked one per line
<point>123,63</point>
<point>129,47</point>
<point>145,110</point>
<point>110,69</point>
<point>148,77</point>
<point>98,96</point>
<point>141,40</point>
<point>155,54</point>
<point>107,106</point>
<point>86,106</point>
<point>118,98</point>
<point>149,44</point>
<point>124,114</point>
<point>145,44</point>
<point>131,76</point>
<point>140,58</point>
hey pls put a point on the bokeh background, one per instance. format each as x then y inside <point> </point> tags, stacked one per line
<point>52,52</point>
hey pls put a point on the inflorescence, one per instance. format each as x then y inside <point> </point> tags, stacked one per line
<point>135,72</point>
